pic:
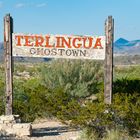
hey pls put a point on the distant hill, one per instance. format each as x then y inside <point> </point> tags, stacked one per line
<point>1,46</point>
<point>121,42</point>
<point>125,47</point>
<point>1,51</point>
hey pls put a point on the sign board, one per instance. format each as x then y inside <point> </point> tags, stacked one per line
<point>58,46</point>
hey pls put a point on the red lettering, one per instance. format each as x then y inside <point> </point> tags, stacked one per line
<point>76,45</point>
<point>58,43</point>
<point>18,37</point>
<point>65,42</point>
<point>28,40</point>
<point>89,44</point>
<point>39,41</point>
<point>47,42</point>
<point>98,44</point>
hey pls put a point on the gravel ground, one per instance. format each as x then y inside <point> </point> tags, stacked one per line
<point>53,130</point>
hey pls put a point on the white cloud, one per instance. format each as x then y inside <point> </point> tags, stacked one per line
<point>41,5</point>
<point>19,5</point>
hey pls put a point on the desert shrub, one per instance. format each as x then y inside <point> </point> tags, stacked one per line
<point>127,107</point>
<point>123,115</point>
<point>110,135</point>
<point>126,72</point>
<point>87,135</point>
<point>116,135</point>
<point>126,85</point>
<point>32,100</point>
<point>19,67</point>
<point>29,99</point>
<point>31,69</point>
<point>76,77</point>
<point>61,104</point>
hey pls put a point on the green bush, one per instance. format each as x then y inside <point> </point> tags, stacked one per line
<point>33,100</point>
<point>76,77</point>
<point>123,115</point>
<point>116,135</point>
<point>29,99</point>
<point>127,72</point>
<point>127,107</point>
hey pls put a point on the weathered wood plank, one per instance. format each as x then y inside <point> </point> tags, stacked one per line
<point>59,46</point>
<point>8,30</point>
<point>108,73</point>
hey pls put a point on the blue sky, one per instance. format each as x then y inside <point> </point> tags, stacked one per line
<point>78,17</point>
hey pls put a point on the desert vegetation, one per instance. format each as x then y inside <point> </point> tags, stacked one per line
<point>72,91</point>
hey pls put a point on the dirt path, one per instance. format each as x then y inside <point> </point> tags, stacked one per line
<point>53,130</point>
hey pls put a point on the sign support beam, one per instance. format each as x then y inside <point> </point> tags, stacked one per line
<point>108,72</point>
<point>8,30</point>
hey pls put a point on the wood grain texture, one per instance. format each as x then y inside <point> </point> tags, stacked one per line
<point>8,30</point>
<point>108,73</point>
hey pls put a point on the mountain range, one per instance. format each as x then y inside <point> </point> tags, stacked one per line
<point>1,51</point>
<point>125,47</point>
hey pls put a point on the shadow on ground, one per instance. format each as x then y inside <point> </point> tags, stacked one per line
<point>126,86</point>
<point>49,131</point>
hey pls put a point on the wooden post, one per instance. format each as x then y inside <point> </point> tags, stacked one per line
<point>8,30</point>
<point>108,74</point>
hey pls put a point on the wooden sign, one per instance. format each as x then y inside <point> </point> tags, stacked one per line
<point>59,46</point>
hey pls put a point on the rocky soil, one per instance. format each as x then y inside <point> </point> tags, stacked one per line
<point>53,130</point>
